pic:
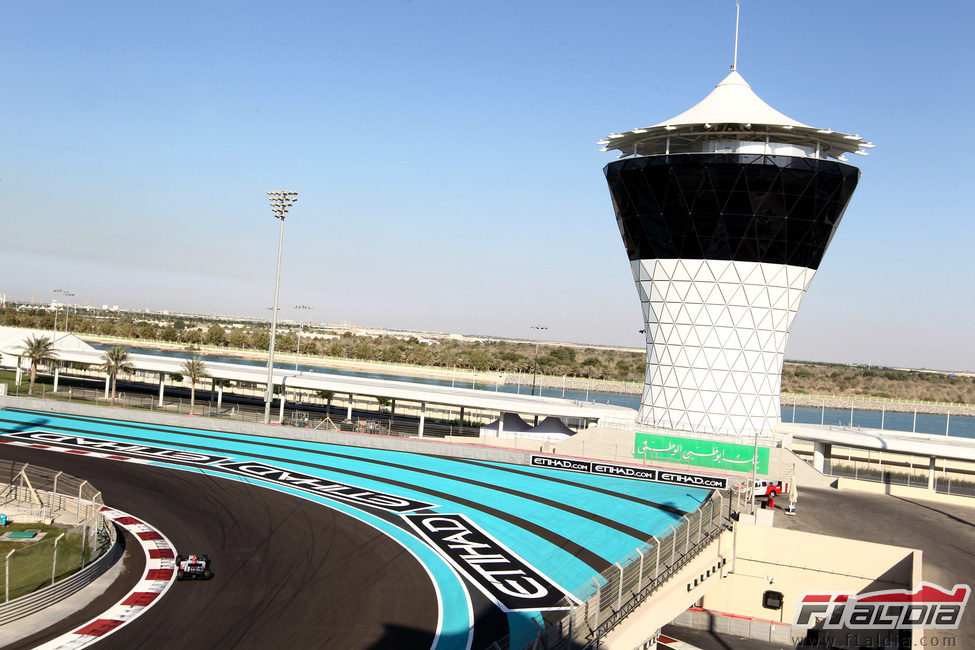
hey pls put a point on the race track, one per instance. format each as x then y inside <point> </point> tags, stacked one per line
<point>288,572</point>
<point>327,545</point>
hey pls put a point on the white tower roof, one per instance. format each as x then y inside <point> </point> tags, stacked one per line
<point>732,100</point>
<point>732,112</point>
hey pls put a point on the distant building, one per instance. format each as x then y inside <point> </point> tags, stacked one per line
<point>13,339</point>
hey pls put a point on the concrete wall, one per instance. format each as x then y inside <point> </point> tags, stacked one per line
<point>680,592</point>
<point>805,475</point>
<point>905,491</point>
<point>730,579</point>
<point>794,562</point>
<point>741,626</point>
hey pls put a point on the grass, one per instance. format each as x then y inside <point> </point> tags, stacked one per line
<point>31,563</point>
<point>876,382</point>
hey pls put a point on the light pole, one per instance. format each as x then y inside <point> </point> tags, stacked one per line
<point>54,303</point>
<point>67,310</point>
<point>67,304</point>
<point>301,323</point>
<point>751,488</point>
<point>281,201</point>
<point>535,365</point>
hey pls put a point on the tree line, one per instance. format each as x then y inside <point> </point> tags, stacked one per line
<point>483,356</point>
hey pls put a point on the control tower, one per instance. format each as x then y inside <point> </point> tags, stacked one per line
<point>726,211</point>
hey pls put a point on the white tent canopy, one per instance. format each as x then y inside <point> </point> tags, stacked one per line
<point>551,425</point>
<point>14,339</point>
<point>732,112</point>
<point>513,423</point>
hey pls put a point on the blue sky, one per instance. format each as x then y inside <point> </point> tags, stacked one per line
<point>445,157</point>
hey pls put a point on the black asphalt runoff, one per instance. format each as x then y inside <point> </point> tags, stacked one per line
<point>287,572</point>
<point>944,532</point>
<point>589,556</point>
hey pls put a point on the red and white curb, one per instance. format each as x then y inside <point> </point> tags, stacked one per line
<point>158,578</point>
<point>77,452</point>
<point>664,641</point>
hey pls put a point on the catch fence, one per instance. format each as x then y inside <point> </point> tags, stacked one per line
<point>53,527</point>
<point>952,476</point>
<point>615,593</point>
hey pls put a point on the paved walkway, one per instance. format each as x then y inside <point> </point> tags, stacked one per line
<point>706,640</point>
<point>15,633</point>
<point>944,533</point>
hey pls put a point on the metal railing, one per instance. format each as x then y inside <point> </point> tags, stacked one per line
<point>609,597</point>
<point>945,482</point>
<point>73,532</point>
<point>440,423</point>
<point>324,434</point>
<point>843,400</point>
<point>951,476</point>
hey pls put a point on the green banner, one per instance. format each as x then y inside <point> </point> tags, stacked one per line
<point>703,453</point>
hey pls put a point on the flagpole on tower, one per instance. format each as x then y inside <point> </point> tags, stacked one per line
<point>734,63</point>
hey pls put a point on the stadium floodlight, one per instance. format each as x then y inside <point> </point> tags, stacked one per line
<point>67,309</point>
<point>539,328</point>
<point>281,202</point>
<point>301,324</point>
<point>67,294</point>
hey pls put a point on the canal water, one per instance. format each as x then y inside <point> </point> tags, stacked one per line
<point>956,426</point>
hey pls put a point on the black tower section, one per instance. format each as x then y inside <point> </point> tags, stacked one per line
<point>740,207</point>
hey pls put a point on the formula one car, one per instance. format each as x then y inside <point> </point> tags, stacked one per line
<point>195,567</point>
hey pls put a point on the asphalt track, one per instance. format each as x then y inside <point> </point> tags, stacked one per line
<point>288,572</point>
<point>351,562</point>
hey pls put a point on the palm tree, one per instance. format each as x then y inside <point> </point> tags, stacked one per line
<point>39,349</point>
<point>327,395</point>
<point>195,369</point>
<point>116,361</point>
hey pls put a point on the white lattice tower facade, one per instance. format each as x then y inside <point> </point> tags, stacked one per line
<point>716,336</point>
<point>726,211</point>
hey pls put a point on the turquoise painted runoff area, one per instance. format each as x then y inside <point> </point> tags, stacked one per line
<point>564,503</point>
<point>456,622</point>
<point>676,496</point>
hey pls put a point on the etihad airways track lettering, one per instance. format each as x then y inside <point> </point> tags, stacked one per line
<point>350,494</point>
<point>114,447</point>
<point>497,571</point>
<point>316,485</point>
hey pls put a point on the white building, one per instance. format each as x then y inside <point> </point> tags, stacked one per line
<point>726,211</point>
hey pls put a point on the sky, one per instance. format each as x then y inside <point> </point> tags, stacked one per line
<point>445,159</point>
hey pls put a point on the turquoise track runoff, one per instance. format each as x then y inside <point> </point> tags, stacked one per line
<point>545,516</point>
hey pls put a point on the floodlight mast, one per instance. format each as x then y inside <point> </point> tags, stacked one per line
<point>67,294</point>
<point>280,201</point>
<point>538,329</point>
<point>67,310</point>
<point>301,324</point>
